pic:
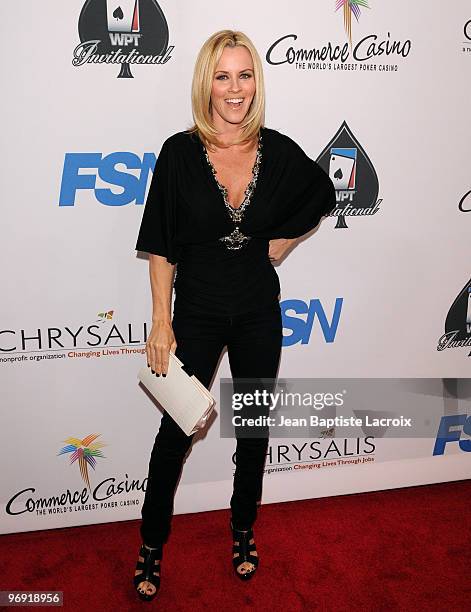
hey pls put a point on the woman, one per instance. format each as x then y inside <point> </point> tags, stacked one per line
<point>227,198</point>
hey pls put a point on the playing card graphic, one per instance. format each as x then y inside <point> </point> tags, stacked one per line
<point>135,28</point>
<point>459,316</point>
<point>353,175</point>
<point>123,15</point>
<point>342,168</point>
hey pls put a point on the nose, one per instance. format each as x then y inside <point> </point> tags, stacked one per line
<point>234,84</point>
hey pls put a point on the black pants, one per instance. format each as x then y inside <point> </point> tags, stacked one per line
<point>253,342</point>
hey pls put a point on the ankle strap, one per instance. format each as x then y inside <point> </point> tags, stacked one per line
<point>153,549</point>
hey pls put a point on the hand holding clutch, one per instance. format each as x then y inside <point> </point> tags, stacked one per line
<point>182,395</point>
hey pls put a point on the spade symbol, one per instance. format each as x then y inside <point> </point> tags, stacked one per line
<point>366,181</point>
<point>118,13</point>
<point>153,34</point>
<point>459,314</point>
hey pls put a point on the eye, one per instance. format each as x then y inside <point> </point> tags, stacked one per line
<point>221,77</point>
<point>246,75</point>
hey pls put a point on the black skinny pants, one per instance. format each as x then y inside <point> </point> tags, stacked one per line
<point>253,341</point>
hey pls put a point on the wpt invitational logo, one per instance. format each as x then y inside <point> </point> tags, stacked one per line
<point>122,32</point>
<point>375,52</point>
<point>458,322</point>
<point>353,175</point>
<point>85,453</point>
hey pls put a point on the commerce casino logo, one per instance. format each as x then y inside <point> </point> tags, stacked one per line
<point>353,175</point>
<point>458,322</point>
<point>372,53</point>
<point>109,493</point>
<point>122,32</point>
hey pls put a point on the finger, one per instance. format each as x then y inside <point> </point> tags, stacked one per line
<point>163,359</point>
<point>165,362</point>
<point>158,360</point>
<point>150,356</point>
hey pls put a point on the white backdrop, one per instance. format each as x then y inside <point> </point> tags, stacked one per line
<point>69,261</point>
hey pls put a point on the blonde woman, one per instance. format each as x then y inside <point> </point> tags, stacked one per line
<point>228,197</point>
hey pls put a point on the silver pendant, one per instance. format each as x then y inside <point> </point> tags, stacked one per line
<point>235,240</point>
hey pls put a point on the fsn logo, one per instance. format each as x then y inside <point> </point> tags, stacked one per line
<point>305,315</point>
<point>128,187</point>
<point>450,431</point>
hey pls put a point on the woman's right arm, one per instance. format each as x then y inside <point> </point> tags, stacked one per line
<point>161,339</point>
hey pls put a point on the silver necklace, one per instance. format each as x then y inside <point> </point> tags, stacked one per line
<point>236,239</point>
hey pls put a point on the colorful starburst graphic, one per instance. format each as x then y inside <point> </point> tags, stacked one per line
<point>328,433</point>
<point>85,452</point>
<point>350,7</point>
<point>105,316</point>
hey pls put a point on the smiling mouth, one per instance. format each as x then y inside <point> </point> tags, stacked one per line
<point>234,102</point>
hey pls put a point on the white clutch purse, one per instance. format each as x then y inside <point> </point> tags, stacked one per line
<point>183,396</point>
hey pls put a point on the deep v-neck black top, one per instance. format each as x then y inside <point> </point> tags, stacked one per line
<point>185,216</point>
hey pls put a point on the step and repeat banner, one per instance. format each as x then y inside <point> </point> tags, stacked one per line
<point>378,93</point>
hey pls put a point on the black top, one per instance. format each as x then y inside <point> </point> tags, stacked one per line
<point>185,216</point>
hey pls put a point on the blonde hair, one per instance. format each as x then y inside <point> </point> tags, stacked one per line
<point>205,67</point>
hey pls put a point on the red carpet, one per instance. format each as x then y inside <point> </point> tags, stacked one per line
<point>404,549</point>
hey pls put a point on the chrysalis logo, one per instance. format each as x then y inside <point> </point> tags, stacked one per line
<point>122,32</point>
<point>353,175</point>
<point>458,322</point>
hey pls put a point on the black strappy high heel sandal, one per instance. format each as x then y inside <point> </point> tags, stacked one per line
<point>244,552</point>
<point>150,571</point>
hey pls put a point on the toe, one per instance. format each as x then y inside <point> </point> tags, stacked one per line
<point>245,568</point>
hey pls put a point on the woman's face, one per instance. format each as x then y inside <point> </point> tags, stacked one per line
<point>233,86</point>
